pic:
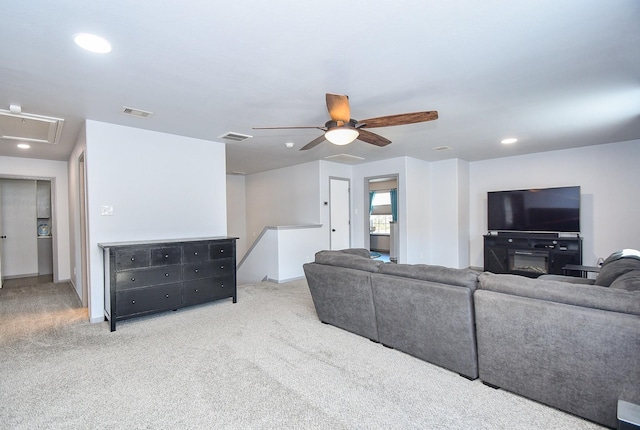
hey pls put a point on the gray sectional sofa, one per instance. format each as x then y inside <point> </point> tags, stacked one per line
<point>572,346</point>
<point>425,311</point>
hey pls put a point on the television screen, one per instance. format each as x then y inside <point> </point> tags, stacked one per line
<point>540,210</point>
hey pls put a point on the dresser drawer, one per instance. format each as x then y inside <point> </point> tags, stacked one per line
<point>131,258</point>
<point>165,256</point>
<point>221,250</point>
<point>208,269</point>
<point>139,300</point>
<point>195,252</point>
<point>204,290</point>
<point>151,276</point>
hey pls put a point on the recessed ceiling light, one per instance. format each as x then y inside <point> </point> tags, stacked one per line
<point>509,140</point>
<point>289,144</point>
<point>24,146</point>
<point>92,43</point>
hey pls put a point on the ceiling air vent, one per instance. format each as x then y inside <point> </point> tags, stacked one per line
<point>236,137</point>
<point>30,127</point>
<point>442,148</point>
<point>344,158</point>
<point>136,112</point>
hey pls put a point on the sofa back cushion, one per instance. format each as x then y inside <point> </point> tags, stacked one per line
<point>362,252</point>
<point>611,270</point>
<point>445,275</point>
<point>591,296</point>
<point>349,260</point>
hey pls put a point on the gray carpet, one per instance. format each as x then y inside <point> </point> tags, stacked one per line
<point>265,362</point>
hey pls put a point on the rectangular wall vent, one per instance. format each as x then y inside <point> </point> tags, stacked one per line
<point>236,137</point>
<point>29,127</point>
<point>136,112</point>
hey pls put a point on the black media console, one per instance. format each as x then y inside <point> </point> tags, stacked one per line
<point>531,254</point>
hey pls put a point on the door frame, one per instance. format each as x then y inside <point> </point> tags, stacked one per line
<point>54,238</point>
<point>367,180</point>
<point>84,231</point>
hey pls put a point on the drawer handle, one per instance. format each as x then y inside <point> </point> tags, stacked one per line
<point>166,255</point>
<point>166,275</point>
<point>222,266</point>
<point>222,251</point>
<point>196,270</point>
<point>221,285</point>
<point>133,259</point>
<point>196,290</point>
<point>133,279</point>
<point>167,296</point>
<point>195,253</point>
<point>133,302</point>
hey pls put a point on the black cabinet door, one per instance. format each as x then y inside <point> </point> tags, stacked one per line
<point>496,259</point>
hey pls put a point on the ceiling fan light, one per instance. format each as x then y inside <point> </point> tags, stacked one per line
<point>341,135</point>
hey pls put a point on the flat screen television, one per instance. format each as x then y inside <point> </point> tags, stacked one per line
<point>535,210</point>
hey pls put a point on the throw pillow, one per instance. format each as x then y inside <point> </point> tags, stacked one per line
<point>611,271</point>
<point>630,281</point>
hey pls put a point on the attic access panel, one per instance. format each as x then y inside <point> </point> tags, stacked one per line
<point>31,128</point>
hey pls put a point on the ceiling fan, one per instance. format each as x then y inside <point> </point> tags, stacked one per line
<point>341,129</point>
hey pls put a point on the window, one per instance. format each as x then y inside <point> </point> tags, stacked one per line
<point>380,213</point>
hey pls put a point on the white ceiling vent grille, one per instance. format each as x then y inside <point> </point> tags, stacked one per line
<point>236,137</point>
<point>344,158</point>
<point>29,127</point>
<point>136,112</point>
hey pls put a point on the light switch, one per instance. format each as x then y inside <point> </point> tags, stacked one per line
<point>106,210</point>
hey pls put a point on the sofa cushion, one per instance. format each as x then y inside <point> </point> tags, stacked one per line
<point>445,275</point>
<point>349,260</point>
<point>592,296</point>
<point>362,252</point>
<point>611,270</point>
<point>630,281</point>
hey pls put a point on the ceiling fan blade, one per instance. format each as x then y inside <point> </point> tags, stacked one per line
<point>372,138</point>
<point>401,119</point>
<point>338,106</point>
<point>313,143</point>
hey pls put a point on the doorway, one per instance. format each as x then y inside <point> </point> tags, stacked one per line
<point>26,223</point>
<point>382,217</point>
<point>340,214</point>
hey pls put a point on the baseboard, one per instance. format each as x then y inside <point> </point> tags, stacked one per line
<point>283,281</point>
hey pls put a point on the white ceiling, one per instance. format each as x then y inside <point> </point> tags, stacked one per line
<point>553,73</point>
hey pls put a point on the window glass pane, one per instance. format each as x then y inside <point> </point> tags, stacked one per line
<point>379,224</point>
<point>382,198</point>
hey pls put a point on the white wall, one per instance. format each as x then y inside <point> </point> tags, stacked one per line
<point>610,197</point>
<point>413,205</point>
<point>237,213</point>
<point>287,196</point>
<point>449,209</point>
<point>160,186</point>
<point>56,171</point>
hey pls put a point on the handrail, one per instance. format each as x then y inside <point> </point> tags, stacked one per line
<point>279,253</point>
<point>276,227</point>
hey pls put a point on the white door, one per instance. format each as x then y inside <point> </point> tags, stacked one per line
<point>339,213</point>
<point>19,228</point>
<point>1,236</point>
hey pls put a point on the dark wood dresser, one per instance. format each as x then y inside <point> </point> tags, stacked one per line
<point>155,276</point>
